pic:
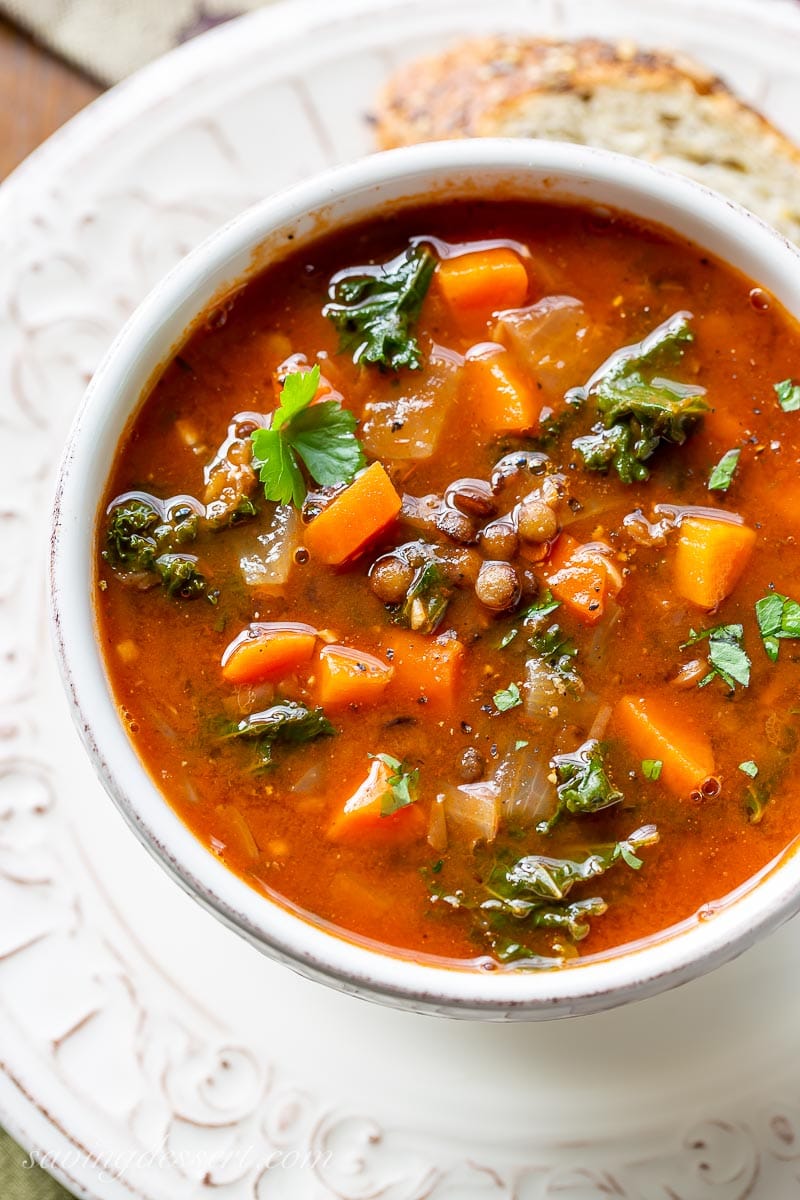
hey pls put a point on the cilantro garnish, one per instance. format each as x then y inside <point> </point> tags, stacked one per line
<point>749,768</point>
<point>651,768</point>
<point>722,474</point>
<point>788,394</point>
<point>778,617</point>
<point>507,698</point>
<point>727,656</point>
<point>374,308</point>
<point>402,785</point>
<point>321,435</point>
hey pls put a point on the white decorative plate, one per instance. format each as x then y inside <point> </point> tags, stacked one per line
<point>146,1052</point>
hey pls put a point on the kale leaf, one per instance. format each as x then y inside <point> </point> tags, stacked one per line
<point>374,308</point>
<point>533,892</point>
<point>637,414</point>
<point>289,722</point>
<point>582,783</point>
<point>140,542</point>
<point>426,599</point>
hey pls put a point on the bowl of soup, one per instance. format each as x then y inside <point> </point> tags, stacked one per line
<point>423,578</point>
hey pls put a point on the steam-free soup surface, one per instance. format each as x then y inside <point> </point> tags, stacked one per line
<point>510,674</point>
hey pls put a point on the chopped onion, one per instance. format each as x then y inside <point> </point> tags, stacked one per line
<point>473,811</point>
<point>269,569</point>
<point>409,425</point>
<point>599,725</point>
<point>598,646</point>
<point>549,694</point>
<point>309,781</point>
<point>526,793</point>
<point>551,338</point>
<point>420,512</point>
<point>437,825</point>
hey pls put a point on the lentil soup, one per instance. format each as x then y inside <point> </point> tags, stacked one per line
<point>446,576</point>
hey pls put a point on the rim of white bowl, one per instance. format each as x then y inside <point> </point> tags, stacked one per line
<point>556,171</point>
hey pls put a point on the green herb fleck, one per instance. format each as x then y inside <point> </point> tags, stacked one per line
<point>507,638</point>
<point>322,436</point>
<point>520,745</point>
<point>722,474</point>
<point>402,785</point>
<point>788,394</point>
<point>374,308</point>
<point>727,656</point>
<point>507,698</point>
<point>778,618</point>
<point>651,768</point>
<point>749,768</point>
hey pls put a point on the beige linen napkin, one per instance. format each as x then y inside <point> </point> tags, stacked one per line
<point>110,38</point>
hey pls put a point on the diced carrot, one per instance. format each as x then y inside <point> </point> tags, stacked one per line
<point>267,651</point>
<point>483,281</point>
<point>654,731</point>
<point>362,817</point>
<point>709,558</point>
<point>424,670</point>
<point>348,676</point>
<point>582,577</point>
<point>503,398</point>
<point>354,518</point>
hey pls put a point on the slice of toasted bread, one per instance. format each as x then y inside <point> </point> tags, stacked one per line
<point>660,107</point>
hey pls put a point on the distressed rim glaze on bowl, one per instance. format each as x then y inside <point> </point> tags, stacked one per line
<point>461,169</point>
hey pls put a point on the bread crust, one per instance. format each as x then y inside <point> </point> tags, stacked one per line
<point>684,117</point>
<point>458,93</point>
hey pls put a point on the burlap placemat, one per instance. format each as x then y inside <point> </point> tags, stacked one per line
<point>110,38</point>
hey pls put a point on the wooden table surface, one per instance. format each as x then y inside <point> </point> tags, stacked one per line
<point>37,94</point>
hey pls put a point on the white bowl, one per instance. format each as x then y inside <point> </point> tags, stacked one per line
<point>370,187</point>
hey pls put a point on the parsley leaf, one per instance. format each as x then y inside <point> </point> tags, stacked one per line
<point>636,413</point>
<point>778,617</point>
<point>651,768</point>
<point>374,308</point>
<point>722,475</point>
<point>726,655</point>
<point>402,785</point>
<point>507,698</point>
<point>322,436</point>
<point>582,783</point>
<point>788,394</point>
<point>749,768</point>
